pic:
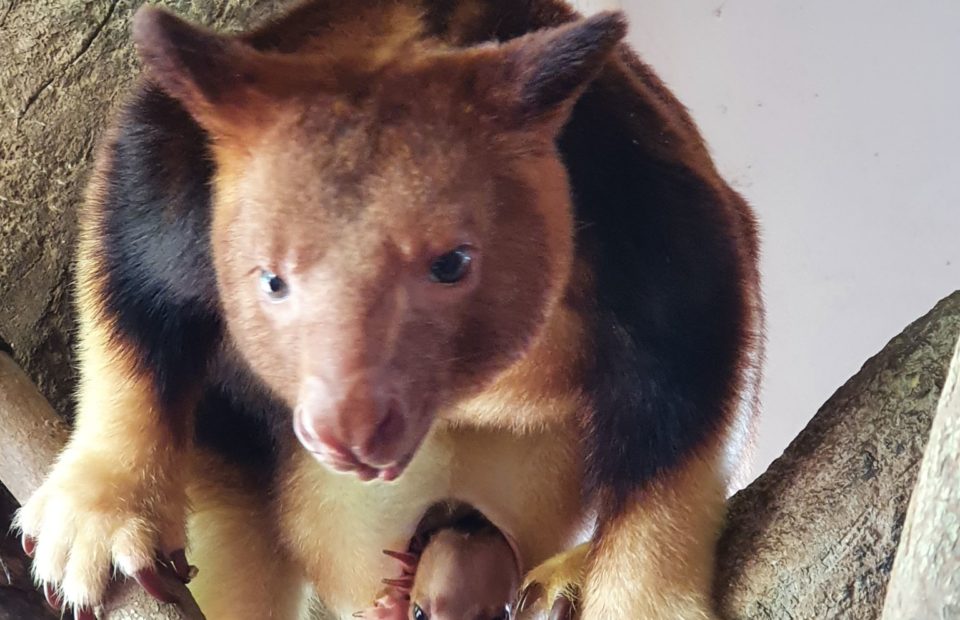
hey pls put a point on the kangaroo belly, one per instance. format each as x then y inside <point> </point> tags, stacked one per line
<point>336,526</point>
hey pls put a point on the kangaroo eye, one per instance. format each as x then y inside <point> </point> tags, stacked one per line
<point>273,286</point>
<point>418,613</point>
<point>451,267</point>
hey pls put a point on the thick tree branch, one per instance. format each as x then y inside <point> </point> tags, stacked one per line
<point>925,583</point>
<point>815,536</point>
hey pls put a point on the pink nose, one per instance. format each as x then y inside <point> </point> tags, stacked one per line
<point>350,425</point>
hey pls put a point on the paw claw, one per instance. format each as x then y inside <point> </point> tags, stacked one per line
<point>552,589</point>
<point>562,609</point>
<point>529,596</point>
<point>53,597</point>
<point>403,583</point>
<point>29,544</point>
<point>87,520</point>
<point>83,613</point>
<point>151,581</point>
<point>408,560</point>
<point>181,567</point>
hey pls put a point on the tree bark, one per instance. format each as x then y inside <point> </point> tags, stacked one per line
<point>33,434</point>
<point>925,583</point>
<point>815,536</point>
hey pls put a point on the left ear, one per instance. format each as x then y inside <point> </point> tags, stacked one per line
<point>536,78</point>
<point>220,81</point>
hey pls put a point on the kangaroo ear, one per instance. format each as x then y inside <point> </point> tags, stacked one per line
<point>214,77</point>
<point>538,77</point>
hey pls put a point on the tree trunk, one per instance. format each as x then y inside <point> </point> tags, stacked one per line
<point>925,583</point>
<point>815,536</point>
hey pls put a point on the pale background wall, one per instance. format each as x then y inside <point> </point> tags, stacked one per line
<point>840,123</point>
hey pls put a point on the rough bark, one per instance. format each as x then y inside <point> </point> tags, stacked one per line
<point>815,536</point>
<point>33,434</point>
<point>925,583</point>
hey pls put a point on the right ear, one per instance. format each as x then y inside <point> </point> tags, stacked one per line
<point>214,77</point>
<point>535,79</point>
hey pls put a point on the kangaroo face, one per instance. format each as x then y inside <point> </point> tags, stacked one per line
<point>390,231</point>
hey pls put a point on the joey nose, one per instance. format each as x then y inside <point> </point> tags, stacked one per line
<point>350,423</point>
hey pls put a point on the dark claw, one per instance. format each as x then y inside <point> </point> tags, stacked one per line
<point>29,545</point>
<point>53,598</point>
<point>530,595</point>
<point>182,568</point>
<point>408,560</point>
<point>153,584</point>
<point>404,583</point>
<point>83,613</point>
<point>562,609</point>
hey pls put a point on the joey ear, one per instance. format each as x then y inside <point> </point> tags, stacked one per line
<point>214,77</point>
<point>541,74</point>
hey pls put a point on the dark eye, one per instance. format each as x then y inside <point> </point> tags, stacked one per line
<point>418,614</point>
<point>451,267</point>
<point>505,615</point>
<point>273,286</point>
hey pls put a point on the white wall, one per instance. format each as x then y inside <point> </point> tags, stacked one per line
<point>840,123</point>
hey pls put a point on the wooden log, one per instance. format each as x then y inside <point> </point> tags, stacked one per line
<point>33,434</point>
<point>925,583</point>
<point>32,437</point>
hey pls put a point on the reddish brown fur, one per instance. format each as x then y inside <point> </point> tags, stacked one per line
<point>384,158</point>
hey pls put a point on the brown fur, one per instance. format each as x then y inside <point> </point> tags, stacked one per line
<point>351,149</point>
<point>465,576</point>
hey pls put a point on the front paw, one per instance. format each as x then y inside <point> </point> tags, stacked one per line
<point>90,517</point>
<point>552,589</point>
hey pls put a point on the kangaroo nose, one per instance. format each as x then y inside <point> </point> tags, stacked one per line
<point>350,423</point>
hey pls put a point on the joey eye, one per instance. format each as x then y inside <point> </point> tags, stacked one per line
<point>451,267</point>
<point>418,614</point>
<point>273,286</point>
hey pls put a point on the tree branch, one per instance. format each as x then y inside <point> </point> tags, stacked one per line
<point>815,536</point>
<point>925,582</point>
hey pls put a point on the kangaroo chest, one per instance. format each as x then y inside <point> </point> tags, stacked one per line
<point>337,527</point>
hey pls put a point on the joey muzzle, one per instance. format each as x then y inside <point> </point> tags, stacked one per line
<point>356,424</point>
